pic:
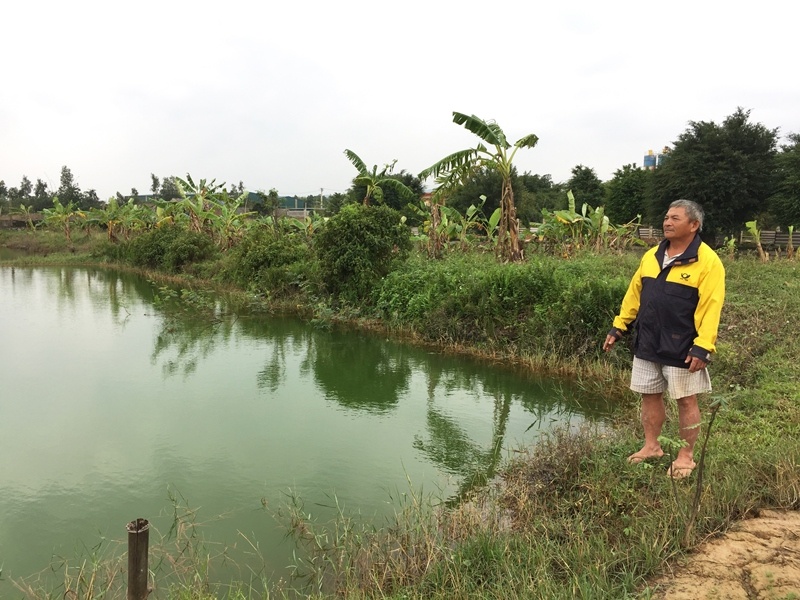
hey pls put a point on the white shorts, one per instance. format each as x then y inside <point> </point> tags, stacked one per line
<point>652,378</point>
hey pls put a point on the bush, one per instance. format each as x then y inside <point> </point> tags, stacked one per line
<point>273,262</point>
<point>545,306</point>
<point>359,246</point>
<point>170,248</point>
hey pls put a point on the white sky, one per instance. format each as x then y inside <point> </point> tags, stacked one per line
<point>271,93</point>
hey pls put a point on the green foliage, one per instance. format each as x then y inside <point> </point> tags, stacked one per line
<point>393,196</point>
<point>375,184</point>
<point>729,169</point>
<point>271,261</point>
<point>543,194</point>
<point>785,204</point>
<point>586,186</point>
<point>170,248</point>
<point>451,171</point>
<point>543,305</point>
<point>566,231</point>
<point>628,193</point>
<point>358,247</point>
<point>62,216</point>
<point>442,224</point>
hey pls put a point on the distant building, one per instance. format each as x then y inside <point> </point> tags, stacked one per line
<point>653,160</point>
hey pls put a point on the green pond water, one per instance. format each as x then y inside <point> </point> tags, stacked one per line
<point>114,408</point>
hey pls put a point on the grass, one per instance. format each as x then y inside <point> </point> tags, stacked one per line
<point>569,517</point>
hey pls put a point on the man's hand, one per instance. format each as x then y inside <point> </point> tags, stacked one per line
<point>609,343</point>
<point>695,364</point>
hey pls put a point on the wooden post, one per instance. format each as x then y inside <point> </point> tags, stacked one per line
<point>138,540</point>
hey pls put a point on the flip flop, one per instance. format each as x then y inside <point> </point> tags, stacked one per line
<point>633,459</point>
<point>680,472</point>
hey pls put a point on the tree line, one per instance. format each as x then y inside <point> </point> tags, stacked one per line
<point>735,169</point>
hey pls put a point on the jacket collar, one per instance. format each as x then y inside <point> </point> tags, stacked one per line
<point>689,255</point>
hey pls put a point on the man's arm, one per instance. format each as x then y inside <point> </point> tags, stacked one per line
<point>711,295</point>
<point>627,312</point>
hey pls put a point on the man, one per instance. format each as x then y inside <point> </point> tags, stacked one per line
<point>674,302</point>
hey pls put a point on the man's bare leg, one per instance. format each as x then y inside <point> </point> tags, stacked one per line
<point>653,417</point>
<point>689,423</point>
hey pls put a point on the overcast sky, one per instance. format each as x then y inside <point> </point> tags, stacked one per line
<point>271,93</point>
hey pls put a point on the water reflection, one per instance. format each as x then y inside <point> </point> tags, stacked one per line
<point>109,398</point>
<point>370,375</point>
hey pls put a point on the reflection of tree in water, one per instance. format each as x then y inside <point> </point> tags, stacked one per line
<point>449,446</point>
<point>106,287</point>
<point>361,372</point>
<point>188,340</point>
<point>285,336</point>
<point>185,340</point>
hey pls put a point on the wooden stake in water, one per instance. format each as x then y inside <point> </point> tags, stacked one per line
<point>138,540</point>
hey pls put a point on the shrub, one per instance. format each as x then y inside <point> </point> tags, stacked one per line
<point>358,247</point>
<point>170,248</point>
<point>548,305</point>
<point>268,260</point>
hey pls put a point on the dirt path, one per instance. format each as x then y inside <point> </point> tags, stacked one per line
<point>758,559</point>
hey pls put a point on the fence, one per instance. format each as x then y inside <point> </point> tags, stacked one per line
<point>769,239</point>
<point>776,239</point>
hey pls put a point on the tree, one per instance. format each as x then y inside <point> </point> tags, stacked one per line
<point>155,184</point>
<point>628,193</point>
<point>544,193</point>
<point>270,201</point>
<point>334,203</point>
<point>69,194</point>
<point>453,169</point>
<point>61,217</point>
<point>374,182</point>
<point>90,200</point>
<point>394,196</point>
<point>586,186</point>
<point>785,204</point>
<point>25,190</point>
<point>729,169</point>
<point>42,198</point>
<point>169,189</point>
<point>358,247</point>
<point>4,202</point>
<point>479,182</point>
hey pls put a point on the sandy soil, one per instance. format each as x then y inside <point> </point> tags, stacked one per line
<point>758,559</point>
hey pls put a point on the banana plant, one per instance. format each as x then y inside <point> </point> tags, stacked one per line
<point>752,228</point>
<point>61,216</point>
<point>26,212</point>
<point>591,227</point>
<point>224,219</point>
<point>497,155</point>
<point>196,199</point>
<point>374,181</point>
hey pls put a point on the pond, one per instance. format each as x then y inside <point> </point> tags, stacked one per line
<point>116,405</point>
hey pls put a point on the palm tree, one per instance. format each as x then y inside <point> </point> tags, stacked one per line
<point>375,182</point>
<point>451,171</point>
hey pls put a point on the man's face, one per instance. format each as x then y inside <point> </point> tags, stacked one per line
<point>678,227</point>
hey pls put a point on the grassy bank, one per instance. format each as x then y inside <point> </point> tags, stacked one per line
<point>568,518</point>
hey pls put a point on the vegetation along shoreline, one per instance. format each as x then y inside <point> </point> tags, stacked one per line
<point>571,518</point>
<point>517,270</point>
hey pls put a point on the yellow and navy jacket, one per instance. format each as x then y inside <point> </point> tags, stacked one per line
<point>675,311</point>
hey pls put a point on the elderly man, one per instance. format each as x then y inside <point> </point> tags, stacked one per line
<point>674,303</point>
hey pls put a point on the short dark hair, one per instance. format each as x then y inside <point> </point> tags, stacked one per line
<point>693,210</point>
